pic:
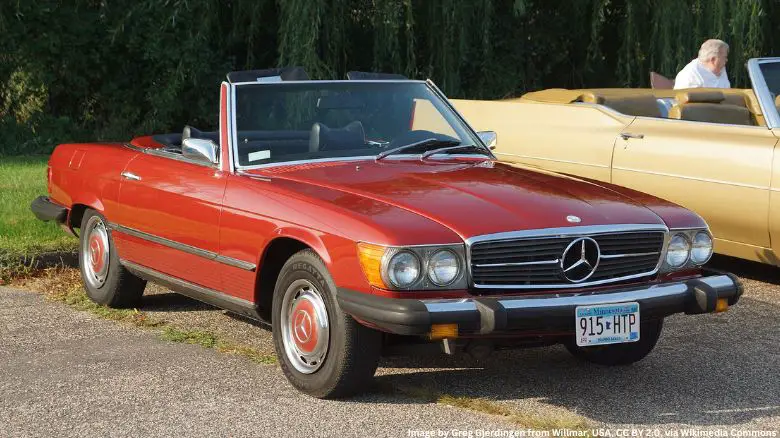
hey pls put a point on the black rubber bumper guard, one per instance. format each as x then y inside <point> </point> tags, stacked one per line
<point>549,312</point>
<point>46,210</point>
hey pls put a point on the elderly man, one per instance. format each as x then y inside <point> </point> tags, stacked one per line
<point>708,70</point>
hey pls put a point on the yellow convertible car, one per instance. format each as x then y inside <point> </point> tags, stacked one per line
<point>711,150</point>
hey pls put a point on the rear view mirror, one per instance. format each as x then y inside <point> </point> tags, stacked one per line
<point>200,149</point>
<point>490,138</point>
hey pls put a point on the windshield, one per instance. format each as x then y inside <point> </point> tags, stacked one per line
<point>771,73</point>
<point>312,120</point>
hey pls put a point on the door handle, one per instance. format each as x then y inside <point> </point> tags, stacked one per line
<point>627,135</point>
<point>131,176</point>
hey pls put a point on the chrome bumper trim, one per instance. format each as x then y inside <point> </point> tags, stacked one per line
<point>722,284</point>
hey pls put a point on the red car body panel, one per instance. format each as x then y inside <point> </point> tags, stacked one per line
<point>181,203</point>
<point>460,195</point>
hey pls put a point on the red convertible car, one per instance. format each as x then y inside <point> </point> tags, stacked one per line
<point>357,214</point>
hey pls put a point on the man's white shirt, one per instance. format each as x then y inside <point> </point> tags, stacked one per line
<point>695,75</point>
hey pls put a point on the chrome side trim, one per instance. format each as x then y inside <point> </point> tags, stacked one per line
<point>195,291</point>
<point>762,92</point>
<point>691,178</point>
<point>236,263</point>
<point>577,231</point>
<point>542,262</point>
<point>620,256</point>
<point>531,157</point>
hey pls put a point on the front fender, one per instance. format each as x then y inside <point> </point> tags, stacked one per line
<point>307,237</point>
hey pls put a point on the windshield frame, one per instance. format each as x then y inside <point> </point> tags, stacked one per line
<point>761,89</point>
<point>458,121</point>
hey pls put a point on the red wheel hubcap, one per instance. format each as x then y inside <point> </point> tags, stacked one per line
<point>96,253</point>
<point>303,326</point>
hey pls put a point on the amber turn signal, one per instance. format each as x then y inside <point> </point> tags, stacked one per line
<point>371,261</point>
<point>444,331</point>
<point>722,305</point>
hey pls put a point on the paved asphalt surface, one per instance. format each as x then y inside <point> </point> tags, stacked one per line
<point>69,373</point>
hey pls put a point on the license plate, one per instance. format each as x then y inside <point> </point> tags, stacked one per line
<point>607,324</point>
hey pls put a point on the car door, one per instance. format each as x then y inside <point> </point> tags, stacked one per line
<point>168,219</point>
<point>720,171</point>
<point>765,76</point>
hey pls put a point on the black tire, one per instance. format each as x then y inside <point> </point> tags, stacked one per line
<point>621,354</point>
<point>352,350</point>
<point>112,284</point>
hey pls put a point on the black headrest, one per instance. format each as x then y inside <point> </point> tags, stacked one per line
<point>280,74</point>
<point>370,76</point>
<point>351,136</point>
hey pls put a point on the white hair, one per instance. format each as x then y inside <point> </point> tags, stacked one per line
<point>712,49</point>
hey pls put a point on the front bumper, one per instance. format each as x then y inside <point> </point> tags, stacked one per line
<point>484,315</point>
<point>46,210</point>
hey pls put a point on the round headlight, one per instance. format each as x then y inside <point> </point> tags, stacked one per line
<point>443,267</point>
<point>403,270</point>
<point>678,251</point>
<point>701,250</point>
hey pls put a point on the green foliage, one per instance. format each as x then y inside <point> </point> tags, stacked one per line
<point>23,179</point>
<point>76,70</point>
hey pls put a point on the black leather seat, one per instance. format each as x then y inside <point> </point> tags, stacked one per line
<point>351,136</point>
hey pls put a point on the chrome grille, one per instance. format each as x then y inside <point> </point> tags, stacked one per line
<point>535,262</point>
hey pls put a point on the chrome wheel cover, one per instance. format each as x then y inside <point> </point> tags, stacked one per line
<point>95,252</point>
<point>304,324</point>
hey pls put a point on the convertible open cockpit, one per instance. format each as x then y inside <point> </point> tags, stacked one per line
<point>732,106</point>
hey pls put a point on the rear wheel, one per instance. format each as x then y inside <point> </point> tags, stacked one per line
<point>322,351</point>
<point>621,354</point>
<point>106,281</point>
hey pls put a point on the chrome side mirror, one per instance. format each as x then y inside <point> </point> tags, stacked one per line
<point>200,149</point>
<point>490,138</point>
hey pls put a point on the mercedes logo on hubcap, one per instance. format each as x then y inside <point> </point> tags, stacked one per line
<point>302,326</point>
<point>580,259</point>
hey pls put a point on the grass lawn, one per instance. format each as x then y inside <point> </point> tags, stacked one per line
<point>22,179</point>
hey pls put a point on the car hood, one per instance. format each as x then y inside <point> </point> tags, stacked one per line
<point>474,197</point>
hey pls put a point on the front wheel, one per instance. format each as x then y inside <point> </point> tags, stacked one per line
<point>322,351</point>
<point>621,354</point>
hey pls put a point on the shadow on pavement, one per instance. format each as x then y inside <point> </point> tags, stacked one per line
<point>172,302</point>
<point>746,269</point>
